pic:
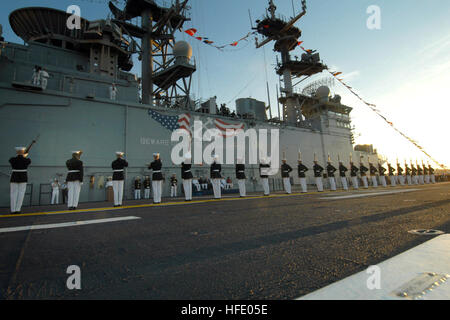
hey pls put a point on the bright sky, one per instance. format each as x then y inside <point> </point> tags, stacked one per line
<point>403,68</point>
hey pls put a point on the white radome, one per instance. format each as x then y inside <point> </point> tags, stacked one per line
<point>323,92</point>
<point>182,49</point>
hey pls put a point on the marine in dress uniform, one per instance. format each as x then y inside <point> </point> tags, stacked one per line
<point>215,174</point>
<point>186,175</point>
<point>113,92</point>
<point>426,174</point>
<point>431,172</point>
<point>147,187</point>
<point>19,179</point>
<point>173,186</point>
<point>363,169</point>
<point>118,167</point>
<point>408,174</point>
<point>318,175</point>
<point>401,179</point>
<point>354,175</point>
<point>330,172</point>
<point>373,175</point>
<point>342,173</point>
<point>301,168</point>
<point>137,188</point>
<point>285,174</point>
<point>55,191</point>
<point>391,175</point>
<point>420,174</point>
<point>415,180</point>
<point>157,178</point>
<point>74,179</point>
<point>381,172</point>
<point>241,178</point>
<point>264,175</point>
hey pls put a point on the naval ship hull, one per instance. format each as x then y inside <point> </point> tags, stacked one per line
<point>100,127</point>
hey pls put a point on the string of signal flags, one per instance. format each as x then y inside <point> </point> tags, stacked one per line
<point>390,123</point>
<point>193,33</point>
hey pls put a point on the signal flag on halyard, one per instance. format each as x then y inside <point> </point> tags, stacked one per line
<point>228,129</point>
<point>172,123</point>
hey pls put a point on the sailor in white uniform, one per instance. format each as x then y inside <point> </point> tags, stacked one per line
<point>113,92</point>
<point>44,78</point>
<point>19,179</point>
<point>55,191</point>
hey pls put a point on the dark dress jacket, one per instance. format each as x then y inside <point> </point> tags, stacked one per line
<point>156,167</point>
<point>19,163</point>
<point>119,164</point>
<point>77,166</point>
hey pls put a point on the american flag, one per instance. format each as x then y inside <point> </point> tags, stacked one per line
<point>172,123</point>
<point>228,129</point>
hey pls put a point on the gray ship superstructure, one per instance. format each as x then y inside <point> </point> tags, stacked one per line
<point>75,111</point>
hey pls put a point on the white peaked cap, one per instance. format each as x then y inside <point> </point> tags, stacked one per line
<point>20,148</point>
<point>156,154</point>
<point>120,153</point>
<point>216,157</point>
<point>188,156</point>
<point>78,151</point>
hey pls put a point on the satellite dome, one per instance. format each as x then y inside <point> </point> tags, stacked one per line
<point>182,49</point>
<point>323,92</point>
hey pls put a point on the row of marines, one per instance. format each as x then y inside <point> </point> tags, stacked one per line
<point>75,174</point>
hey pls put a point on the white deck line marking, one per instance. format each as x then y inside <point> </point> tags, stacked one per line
<point>369,194</point>
<point>65,224</point>
<point>396,272</point>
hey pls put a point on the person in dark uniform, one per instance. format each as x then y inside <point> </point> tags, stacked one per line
<point>342,173</point>
<point>215,173</point>
<point>426,174</point>
<point>118,167</point>
<point>400,178</point>
<point>381,171</point>
<point>285,174</point>
<point>414,174</point>
<point>74,179</point>
<point>137,188</point>
<point>318,175</point>
<point>373,174</point>
<point>264,167</point>
<point>431,172</point>
<point>147,187</point>
<point>173,186</point>
<point>391,175</point>
<point>363,169</point>
<point>157,178</point>
<point>408,174</point>
<point>354,175</point>
<point>186,175</point>
<point>302,169</point>
<point>19,179</point>
<point>330,172</point>
<point>420,173</point>
<point>241,178</point>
